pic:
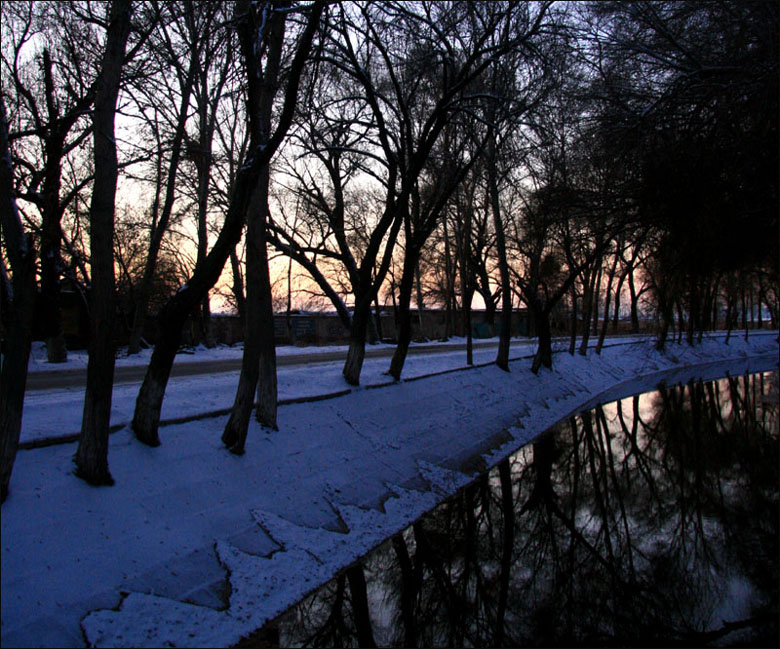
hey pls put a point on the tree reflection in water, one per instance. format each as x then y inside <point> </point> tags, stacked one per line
<point>649,521</point>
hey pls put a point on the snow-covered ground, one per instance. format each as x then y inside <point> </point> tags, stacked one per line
<point>57,412</point>
<point>196,547</point>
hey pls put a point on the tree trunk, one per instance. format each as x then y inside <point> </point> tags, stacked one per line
<point>363,298</point>
<point>258,365</point>
<point>587,308</point>
<point>92,451</point>
<point>51,233</point>
<point>449,326</point>
<point>15,355</point>
<point>357,588</point>
<point>467,299</point>
<point>409,589</point>
<point>618,300</point>
<point>420,301</point>
<point>607,296</point>
<point>502,357</point>
<point>667,315</point>
<point>267,392</point>
<point>288,310</point>
<point>543,356</point>
<point>680,321</point>
<point>596,301</point>
<point>466,290</point>
<point>237,286</point>
<point>255,359</point>
<point>357,345</point>
<point>507,546</point>
<point>378,319</point>
<point>573,337</point>
<point>172,316</point>
<point>15,351</point>
<point>148,405</point>
<point>404,312</point>
<point>634,303</point>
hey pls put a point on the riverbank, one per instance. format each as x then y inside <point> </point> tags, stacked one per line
<point>195,547</point>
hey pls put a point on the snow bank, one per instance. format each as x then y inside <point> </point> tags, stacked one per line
<point>196,547</point>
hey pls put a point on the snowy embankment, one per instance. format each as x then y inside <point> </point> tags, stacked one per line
<point>196,547</point>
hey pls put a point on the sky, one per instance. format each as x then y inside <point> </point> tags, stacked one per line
<point>196,547</point>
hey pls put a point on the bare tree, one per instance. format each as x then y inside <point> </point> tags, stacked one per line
<point>262,40</point>
<point>48,108</point>
<point>165,181</point>
<point>92,452</point>
<point>172,316</point>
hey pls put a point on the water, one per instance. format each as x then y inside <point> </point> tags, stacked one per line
<point>651,521</point>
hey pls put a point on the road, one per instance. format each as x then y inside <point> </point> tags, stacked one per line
<point>73,378</point>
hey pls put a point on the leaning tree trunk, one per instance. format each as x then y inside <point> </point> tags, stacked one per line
<point>92,451</point>
<point>258,365</point>
<point>404,312</point>
<point>368,286</point>
<point>234,435</point>
<point>20,302</point>
<point>171,318</point>
<point>173,314</point>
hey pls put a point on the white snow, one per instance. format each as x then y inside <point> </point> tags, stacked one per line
<point>196,547</point>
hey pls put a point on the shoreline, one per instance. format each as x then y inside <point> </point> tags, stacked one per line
<point>340,477</point>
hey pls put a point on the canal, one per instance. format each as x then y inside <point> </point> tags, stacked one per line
<point>650,521</point>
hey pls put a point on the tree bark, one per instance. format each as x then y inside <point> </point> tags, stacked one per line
<point>404,313</point>
<point>237,286</point>
<point>466,290</point>
<point>607,296</point>
<point>234,435</point>
<point>258,365</point>
<point>449,303</point>
<point>172,316</point>
<point>409,589</point>
<point>588,300</point>
<point>502,357</point>
<point>507,546</point>
<point>92,451</point>
<point>15,351</point>
<point>363,298</point>
<point>357,346</point>
<point>357,588</point>
<point>634,303</point>
<point>51,234</point>
<point>573,337</point>
<point>543,356</point>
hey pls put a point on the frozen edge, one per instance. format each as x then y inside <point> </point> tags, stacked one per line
<point>264,587</point>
